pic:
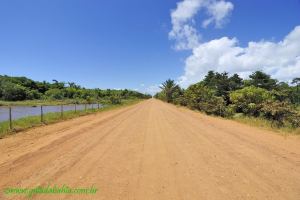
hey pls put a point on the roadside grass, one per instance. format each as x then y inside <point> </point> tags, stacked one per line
<point>49,118</point>
<point>254,122</point>
<point>265,124</point>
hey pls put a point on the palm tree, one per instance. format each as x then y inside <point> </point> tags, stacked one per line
<point>168,87</point>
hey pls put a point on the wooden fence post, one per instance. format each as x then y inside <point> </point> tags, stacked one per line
<point>98,106</point>
<point>85,107</point>
<point>42,114</point>
<point>62,111</point>
<point>10,119</point>
<point>75,107</point>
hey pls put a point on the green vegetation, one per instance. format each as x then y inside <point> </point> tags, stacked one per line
<point>259,99</point>
<point>24,91</point>
<point>32,121</point>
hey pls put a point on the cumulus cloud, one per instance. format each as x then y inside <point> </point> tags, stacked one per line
<point>280,59</point>
<point>183,24</point>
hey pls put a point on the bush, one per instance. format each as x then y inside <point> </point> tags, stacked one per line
<point>115,99</point>
<point>249,99</point>
<point>33,94</point>
<point>202,98</point>
<point>181,100</point>
<point>55,94</point>
<point>294,120</point>
<point>12,92</point>
<point>277,111</point>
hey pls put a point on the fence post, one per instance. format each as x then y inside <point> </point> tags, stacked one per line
<point>98,106</point>
<point>10,118</point>
<point>85,107</point>
<point>42,114</point>
<point>62,111</point>
<point>92,106</point>
<point>75,107</point>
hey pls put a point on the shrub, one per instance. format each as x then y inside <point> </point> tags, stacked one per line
<point>277,111</point>
<point>249,99</point>
<point>181,100</point>
<point>202,98</point>
<point>33,94</point>
<point>115,99</point>
<point>12,92</point>
<point>55,94</point>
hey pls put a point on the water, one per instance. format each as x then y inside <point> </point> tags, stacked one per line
<point>18,112</point>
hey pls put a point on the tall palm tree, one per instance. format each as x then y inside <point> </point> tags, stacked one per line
<point>168,87</point>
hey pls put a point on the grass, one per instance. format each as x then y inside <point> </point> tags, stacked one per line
<point>49,118</point>
<point>265,124</point>
<point>255,122</point>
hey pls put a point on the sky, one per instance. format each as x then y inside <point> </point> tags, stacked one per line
<point>138,44</point>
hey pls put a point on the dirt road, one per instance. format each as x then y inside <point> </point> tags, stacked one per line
<point>153,150</point>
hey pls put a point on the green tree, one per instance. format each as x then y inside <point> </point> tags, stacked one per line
<point>222,83</point>
<point>55,94</point>
<point>12,92</point>
<point>168,87</point>
<point>249,99</point>
<point>235,82</point>
<point>283,92</point>
<point>296,81</point>
<point>200,97</point>
<point>262,80</point>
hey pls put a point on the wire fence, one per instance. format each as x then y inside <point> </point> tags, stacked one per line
<point>12,113</point>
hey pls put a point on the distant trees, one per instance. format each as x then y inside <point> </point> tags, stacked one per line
<point>224,95</point>
<point>22,88</point>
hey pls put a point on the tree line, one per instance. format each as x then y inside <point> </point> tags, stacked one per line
<point>22,88</point>
<point>224,95</point>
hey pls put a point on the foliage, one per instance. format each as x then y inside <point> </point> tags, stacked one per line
<point>280,113</point>
<point>12,92</point>
<point>115,99</point>
<point>22,88</point>
<point>168,88</point>
<point>262,80</point>
<point>200,97</point>
<point>249,99</point>
<point>54,93</point>
<point>222,83</point>
<point>259,97</point>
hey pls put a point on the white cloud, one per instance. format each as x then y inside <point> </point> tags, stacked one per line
<point>152,89</point>
<point>218,11</point>
<point>183,25</point>
<point>148,89</point>
<point>280,59</point>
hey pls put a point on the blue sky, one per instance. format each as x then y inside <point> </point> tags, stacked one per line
<point>127,44</point>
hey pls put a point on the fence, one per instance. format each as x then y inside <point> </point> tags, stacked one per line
<point>17,112</point>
